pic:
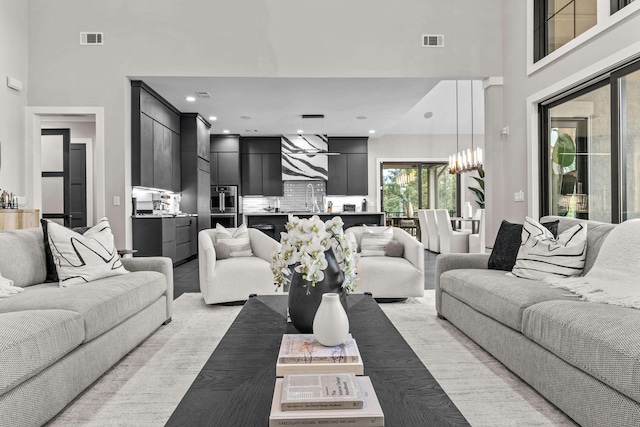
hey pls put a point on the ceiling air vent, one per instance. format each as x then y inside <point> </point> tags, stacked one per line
<point>203,94</point>
<point>432,40</point>
<point>91,38</point>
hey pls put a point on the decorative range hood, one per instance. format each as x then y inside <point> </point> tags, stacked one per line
<point>304,157</point>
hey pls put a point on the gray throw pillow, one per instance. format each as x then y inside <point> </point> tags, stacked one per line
<point>394,249</point>
<point>222,250</point>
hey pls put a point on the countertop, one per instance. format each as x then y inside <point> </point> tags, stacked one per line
<point>182,215</point>
<point>310,213</point>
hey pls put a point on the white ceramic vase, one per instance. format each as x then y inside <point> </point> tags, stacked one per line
<point>331,324</point>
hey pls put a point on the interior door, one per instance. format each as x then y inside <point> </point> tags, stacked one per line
<point>56,189</point>
<point>78,184</point>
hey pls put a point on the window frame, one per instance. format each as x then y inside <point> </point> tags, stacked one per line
<point>617,5</point>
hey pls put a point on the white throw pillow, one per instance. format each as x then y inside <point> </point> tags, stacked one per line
<point>375,240</point>
<point>81,258</point>
<point>542,256</point>
<point>238,242</point>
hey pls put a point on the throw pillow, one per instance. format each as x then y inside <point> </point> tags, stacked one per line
<point>542,256</point>
<point>505,249</point>
<point>52,274</point>
<point>394,249</point>
<point>375,240</point>
<point>222,250</point>
<point>238,242</point>
<point>83,258</point>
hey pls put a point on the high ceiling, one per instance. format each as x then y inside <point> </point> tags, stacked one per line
<point>351,106</point>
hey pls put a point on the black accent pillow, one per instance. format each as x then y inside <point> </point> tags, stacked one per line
<point>508,241</point>
<point>52,273</point>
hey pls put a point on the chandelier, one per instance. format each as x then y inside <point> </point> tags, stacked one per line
<point>471,159</point>
<point>404,179</point>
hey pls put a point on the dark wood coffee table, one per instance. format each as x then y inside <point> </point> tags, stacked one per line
<point>235,387</point>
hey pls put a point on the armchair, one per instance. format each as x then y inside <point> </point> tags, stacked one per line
<point>234,279</point>
<point>391,277</point>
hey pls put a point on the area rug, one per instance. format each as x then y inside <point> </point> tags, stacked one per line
<point>147,385</point>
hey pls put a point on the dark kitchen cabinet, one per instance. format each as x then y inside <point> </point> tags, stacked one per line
<point>168,237</point>
<point>348,172</point>
<point>195,174</point>
<point>261,165</point>
<point>155,131</point>
<point>225,160</point>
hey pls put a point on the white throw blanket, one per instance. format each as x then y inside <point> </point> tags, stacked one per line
<point>7,289</point>
<point>613,279</point>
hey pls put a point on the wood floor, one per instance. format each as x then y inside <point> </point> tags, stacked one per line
<point>185,276</point>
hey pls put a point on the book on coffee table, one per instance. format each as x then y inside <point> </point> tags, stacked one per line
<point>370,415</point>
<point>320,391</point>
<point>309,359</point>
<point>304,348</point>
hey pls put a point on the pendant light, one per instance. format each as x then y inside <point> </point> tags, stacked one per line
<point>468,160</point>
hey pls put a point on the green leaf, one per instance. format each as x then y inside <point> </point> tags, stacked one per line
<point>480,181</point>
<point>564,151</point>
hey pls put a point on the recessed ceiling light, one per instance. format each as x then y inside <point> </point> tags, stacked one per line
<point>191,98</point>
<point>225,131</point>
<point>246,117</point>
<point>428,115</point>
<point>213,118</point>
<point>372,131</point>
<point>299,131</point>
<point>361,117</point>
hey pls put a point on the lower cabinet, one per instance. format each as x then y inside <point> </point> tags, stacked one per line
<point>169,237</point>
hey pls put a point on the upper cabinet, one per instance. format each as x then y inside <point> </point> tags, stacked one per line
<point>348,172</point>
<point>225,160</point>
<point>155,140</point>
<point>261,159</point>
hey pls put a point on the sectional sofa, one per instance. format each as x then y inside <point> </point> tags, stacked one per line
<point>583,357</point>
<point>54,341</point>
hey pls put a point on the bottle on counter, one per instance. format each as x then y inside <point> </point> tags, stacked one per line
<point>364,205</point>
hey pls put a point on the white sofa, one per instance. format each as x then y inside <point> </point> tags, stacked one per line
<point>391,277</point>
<point>234,279</point>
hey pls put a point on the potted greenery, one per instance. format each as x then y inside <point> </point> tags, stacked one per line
<point>315,258</point>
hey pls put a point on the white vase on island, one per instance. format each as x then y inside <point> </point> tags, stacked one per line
<point>331,324</point>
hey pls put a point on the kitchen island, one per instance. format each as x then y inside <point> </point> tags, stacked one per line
<point>279,219</point>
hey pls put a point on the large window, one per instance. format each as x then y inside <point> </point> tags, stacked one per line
<point>557,22</point>
<point>422,186</point>
<point>591,150</point>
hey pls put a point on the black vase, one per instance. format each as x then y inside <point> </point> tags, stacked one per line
<point>305,300</point>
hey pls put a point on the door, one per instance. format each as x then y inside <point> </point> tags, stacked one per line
<point>78,184</point>
<point>56,189</point>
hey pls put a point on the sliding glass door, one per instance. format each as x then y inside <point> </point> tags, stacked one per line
<point>590,150</point>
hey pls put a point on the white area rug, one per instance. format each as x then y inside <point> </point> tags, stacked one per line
<point>147,385</point>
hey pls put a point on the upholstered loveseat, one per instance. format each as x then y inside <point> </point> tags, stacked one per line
<point>391,277</point>
<point>56,341</point>
<point>583,357</point>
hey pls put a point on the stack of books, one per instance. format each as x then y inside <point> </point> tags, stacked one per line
<point>303,354</point>
<point>326,400</point>
<point>320,386</point>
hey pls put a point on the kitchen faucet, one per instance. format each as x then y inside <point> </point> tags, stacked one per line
<point>314,201</point>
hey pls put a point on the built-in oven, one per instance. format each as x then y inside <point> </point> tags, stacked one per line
<point>224,199</point>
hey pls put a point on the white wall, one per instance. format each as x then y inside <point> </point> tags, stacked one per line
<point>359,38</point>
<point>13,62</point>
<point>518,169</point>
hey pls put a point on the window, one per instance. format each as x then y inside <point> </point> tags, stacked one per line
<point>423,185</point>
<point>590,150</point>
<point>556,22</point>
<point>616,5</point>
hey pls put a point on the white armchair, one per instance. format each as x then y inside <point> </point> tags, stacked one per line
<point>477,242</point>
<point>450,241</point>
<point>234,279</point>
<point>391,277</point>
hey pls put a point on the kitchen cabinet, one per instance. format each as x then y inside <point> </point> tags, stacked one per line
<point>170,237</point>
<point>261,166</point>
<point>155,140</point>
<point>348,172</point>
<point>195,174</point>
<point>225,160</point>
